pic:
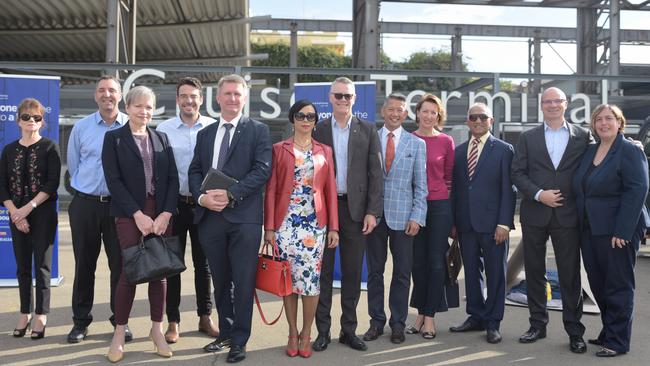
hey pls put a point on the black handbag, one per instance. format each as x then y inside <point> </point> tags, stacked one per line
<point>454,262</point>
<point>155,257</point>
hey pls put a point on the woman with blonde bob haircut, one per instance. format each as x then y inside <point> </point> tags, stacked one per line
<point>611,185</point>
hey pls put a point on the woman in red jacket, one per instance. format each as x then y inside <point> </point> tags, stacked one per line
<point>300,215</point>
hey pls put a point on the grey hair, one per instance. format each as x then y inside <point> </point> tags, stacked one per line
<point>110,77</point>
<point>140,91</point>
<point>232,78</point>
<point>485,107</point>
<point>342,80</point>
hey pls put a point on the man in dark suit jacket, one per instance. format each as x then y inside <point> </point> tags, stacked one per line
<point>545,159</point>
<point>483,203</point>
<point>359,185</point>
<point>230,220</point>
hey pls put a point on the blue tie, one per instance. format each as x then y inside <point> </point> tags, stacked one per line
<point>225,144</point>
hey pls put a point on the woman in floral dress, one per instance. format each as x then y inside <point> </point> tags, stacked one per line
<point>300,215</point>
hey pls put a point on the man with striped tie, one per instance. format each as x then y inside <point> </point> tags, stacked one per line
<point>483,203</point>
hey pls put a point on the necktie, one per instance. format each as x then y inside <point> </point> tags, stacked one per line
<point>390,151</point>
<point>225,144</point>
<point>472,159</point>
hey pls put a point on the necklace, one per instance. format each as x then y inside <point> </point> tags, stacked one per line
<point>305,146</point>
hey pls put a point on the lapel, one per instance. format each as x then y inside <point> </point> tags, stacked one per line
<point>238,133</point>
<point>602,167</point>
<point>211,135</point>
<point>400,149</point>
<point>318,156</point>
<point>462,158</point>
<point>354,135</point>
<point>539,139</point>
<point>487,150</point>
<point>127,139</point>
<point>157,145</point>
<point>288,146</point>
<point>569,146</point>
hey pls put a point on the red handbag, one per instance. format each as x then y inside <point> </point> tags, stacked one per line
<point>273,276</point>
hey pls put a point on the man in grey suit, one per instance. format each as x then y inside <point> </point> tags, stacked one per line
<point>359,185</point>
<point>542,168</point>
<point>405,210</point>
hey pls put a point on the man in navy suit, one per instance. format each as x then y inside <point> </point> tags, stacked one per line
<point>230,220</point>
<point>405,209</point>
<point>483,203</point>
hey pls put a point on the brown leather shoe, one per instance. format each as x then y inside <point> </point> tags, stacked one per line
<point>172,334</point>
<point>207,326</point>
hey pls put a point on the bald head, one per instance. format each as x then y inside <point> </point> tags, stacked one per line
<point>554,105</point>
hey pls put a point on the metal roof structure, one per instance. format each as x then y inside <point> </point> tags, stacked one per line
<point>591,4</point>
<point>196,32</point>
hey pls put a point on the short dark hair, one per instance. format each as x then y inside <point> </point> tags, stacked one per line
<point>297,106</point>
<point>396,96</point>
<point>191,81</point>
<point>110,77</point>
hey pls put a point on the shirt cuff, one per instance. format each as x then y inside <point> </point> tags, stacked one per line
<point>198,201</point>
<point>537,195</point>
<point>505,227</point>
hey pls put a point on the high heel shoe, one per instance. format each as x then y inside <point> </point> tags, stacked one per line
<point>305,352</point>
<point>18,333</point>
<point>412,329</point>
<point>38,335</point>
<point>292,352</point>
<point>115,357</point>
<point>160,352</point>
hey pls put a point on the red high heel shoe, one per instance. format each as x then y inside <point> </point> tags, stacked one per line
<point>305,352</point>
<point>292,352</point>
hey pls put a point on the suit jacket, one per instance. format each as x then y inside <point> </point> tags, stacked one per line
<point>486,200</point>
<point>280,186</point>
<point>532,170</point>
<point>124,172</point>
<point>364,181</point>
<point>248,160</point>
<point>615,191</point>
<point>405,185</point>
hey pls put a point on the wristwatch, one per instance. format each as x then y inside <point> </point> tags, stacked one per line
<point>231,199</point>
<point>34,205</point>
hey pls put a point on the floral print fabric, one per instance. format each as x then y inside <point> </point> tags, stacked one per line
<point>299,239</point>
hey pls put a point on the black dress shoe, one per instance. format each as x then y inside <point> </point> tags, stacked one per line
<point>577,344</point>
<point>321,342</point>
<point>493,336</point>
<point>218,345</point>
<point>353,341</point>
<point>77,334</point>
<point>532,335</point>
<point>467,326</point>
<point>397,336</point>
<point>595,342</point>
<point>373,333</point>
<point>606,352</point>
<point>237,353</point>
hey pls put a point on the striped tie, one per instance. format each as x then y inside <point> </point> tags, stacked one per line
<point>472,159</point>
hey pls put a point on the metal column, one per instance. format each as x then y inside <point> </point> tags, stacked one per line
<point>457,55</point>
<point>614,45</point>
<point>293,54</point>
<point>365,35</point>
<point>587,45</point>
<point>133,17</point>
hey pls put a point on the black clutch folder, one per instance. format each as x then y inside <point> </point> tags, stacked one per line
<point>216,179</point>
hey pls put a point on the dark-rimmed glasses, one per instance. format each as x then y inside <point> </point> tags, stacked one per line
<point>340,96</point>
<point>311,117</point>
<point>26,117</point>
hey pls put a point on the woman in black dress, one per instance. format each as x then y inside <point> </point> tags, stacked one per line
<point>29,177</point>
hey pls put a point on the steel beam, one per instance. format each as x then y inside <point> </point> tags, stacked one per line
<point>113,13</point>
<point>614,44</point>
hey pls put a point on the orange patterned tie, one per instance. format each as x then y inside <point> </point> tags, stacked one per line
<point>390,151</point>
<point>472,159</point>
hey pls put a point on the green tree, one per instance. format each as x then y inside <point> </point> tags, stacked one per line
<point>308,56</point>
<point>434,60</point>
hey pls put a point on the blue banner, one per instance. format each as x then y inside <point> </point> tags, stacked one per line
<point>364,108</point>
<point>13,89</point>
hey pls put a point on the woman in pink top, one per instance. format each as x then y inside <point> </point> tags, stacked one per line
<point>431,293</point>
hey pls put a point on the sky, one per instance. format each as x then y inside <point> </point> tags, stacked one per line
<point>480,53</point>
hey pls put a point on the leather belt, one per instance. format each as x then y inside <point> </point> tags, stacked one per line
<point>102,199</point>
<point>188,200</point>
<point>342,196</point>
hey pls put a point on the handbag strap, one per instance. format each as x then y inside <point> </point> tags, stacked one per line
<point>259,307</point>
<point>275,252</point>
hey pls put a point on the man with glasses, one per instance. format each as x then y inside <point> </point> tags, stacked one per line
<point>542,169</point>
<point>181,131</point>
<point>405,210</point>
<point>90,220</point>
<point>483,203</point>
<point>359,185</point>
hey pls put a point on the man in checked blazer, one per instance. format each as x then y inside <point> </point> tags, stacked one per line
<point>405,208</point>
<point>483,203</point>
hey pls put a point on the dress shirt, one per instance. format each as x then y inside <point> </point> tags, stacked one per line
<point>341,137</point>
<point>220,133</point>
<point>481,144</point>
<point>384,139</point>
<point>85,153</point>
<point>556,142</point>
<point>183,140</point>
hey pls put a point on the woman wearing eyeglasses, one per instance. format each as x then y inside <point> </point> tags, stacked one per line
<point>431,293</point>
<point>29,177</point>
<point>300,215</point>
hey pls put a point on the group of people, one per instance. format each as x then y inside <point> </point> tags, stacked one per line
<point>333,183</point>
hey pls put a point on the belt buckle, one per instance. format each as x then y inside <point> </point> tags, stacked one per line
<point>104,199</point>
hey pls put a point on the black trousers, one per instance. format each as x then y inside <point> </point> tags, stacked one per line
<point>352,245</point>
<point>38,243</point>
<point>401,249</point>
<point>91,223</point>
<point>182,224</point>
<point>566,244</point>
<point>231,249</point>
